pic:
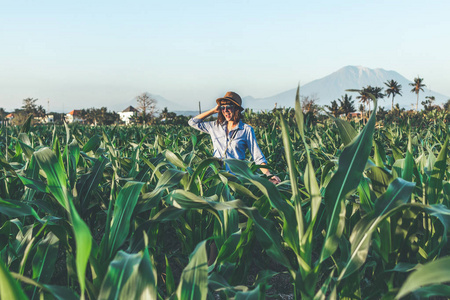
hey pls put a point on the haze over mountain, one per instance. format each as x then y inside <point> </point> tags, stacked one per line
<point>333,86</point>
<point>325,89</point>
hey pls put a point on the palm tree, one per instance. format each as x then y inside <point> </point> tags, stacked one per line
<point>334,109</point>
<point>393,89</point>
<point>346,105</point>
<point>2,115</point>
<point>363,98</point>
<point>447,105</point>
<point>375,91</point>
<point>417,87</point>
<point>364,95</point>
<point>40,111</point>
<point>428,103</point>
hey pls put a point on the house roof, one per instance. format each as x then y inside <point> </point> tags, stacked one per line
<point>130,109</point>
<point>74,112</point>
<point>10,115</point>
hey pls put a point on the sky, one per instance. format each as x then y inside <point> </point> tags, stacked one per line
<point>81,54</point>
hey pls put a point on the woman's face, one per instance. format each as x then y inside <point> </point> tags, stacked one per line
<point>228,110</point>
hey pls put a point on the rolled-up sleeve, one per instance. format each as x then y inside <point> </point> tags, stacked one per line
<point>199,124</point>
<point>254,149</point>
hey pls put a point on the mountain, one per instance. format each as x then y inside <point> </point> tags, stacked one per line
<point>333,86</point>
<point>161,102</point>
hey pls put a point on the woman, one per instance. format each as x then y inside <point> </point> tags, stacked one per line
<point>230,136</point>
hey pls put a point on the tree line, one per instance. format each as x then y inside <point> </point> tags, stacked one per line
<point>146,113</point>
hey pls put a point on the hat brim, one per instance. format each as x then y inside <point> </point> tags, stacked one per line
<point>231,100</point>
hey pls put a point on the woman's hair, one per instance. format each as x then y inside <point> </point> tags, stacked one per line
<point>236,116</point>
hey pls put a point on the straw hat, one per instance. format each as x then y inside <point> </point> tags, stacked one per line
<point>233,97</point>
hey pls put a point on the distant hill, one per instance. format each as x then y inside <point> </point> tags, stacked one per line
<point>333,86</point>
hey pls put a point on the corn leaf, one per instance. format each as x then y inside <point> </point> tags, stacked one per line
<point>397,194</point>
<point>290,229</point>
<point>266,232</point>
<point>89,182</point>
<point>45,258</point>
<point>296,242</point>
<point>9,287</point>
<point>194,278</point>
<point>170,281</point>
<point>58,185</point>
<point>13,209</point>
<point>407,171</point>
<point>93,144</point>
<point>58,292</point>
<point>432,273</point>
<point>346,131</point>
<point>130,276</point>
<point>437,175</point>
<point>351,165</point>
<point>121,220</point>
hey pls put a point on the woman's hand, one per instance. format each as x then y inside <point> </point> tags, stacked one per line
<point>216,109</point>
<point>275,179</point>
<point>206,114</point>
<point>272,178</point>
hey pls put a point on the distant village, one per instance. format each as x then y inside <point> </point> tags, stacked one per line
<point>145,113</point>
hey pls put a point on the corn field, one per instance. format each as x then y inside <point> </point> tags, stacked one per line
<point>362,212</point>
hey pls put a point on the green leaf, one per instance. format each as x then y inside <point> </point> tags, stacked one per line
<point>439,290</point>
<point>194,278</point>
<point>26,148</point>
<point>83,241</point>
<point>168,180</point>
<point>397,194</point>
<point>93,144</point>
<point>9,287</point>
<point>200,168</point>
<point>59,292</point>
<point>294,186</point>
<point>407,171</point>
<point>130,276</point>
<point>90,181</point>
<point>254,294</point>
<point>44,260</point>
<point>13,209</point>
<point>56,176</point>
<point>26,126</point>
<point>435,272</point>
<point>35,184</point>
<point>437,175</point>
<point>175,159</point>
<point>287,212</point>
<point>266,232</point>
<point>123,210</point>
<point>380,179</point>
<point>365,195</point>
<point>442,213</point>
<point>378,154</point>
<point>73,155</point>
<point>229,247</point>
<point>346,131</point>
<point>58,185</point>
<point>170,281</point>
<point>351,165</point>
<point>299,118</point>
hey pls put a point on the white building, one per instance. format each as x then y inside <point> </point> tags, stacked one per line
<point>74,116</point>
<point>127,113</point>
<point>9,118</point>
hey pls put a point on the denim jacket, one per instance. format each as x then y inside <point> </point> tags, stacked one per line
<point>234,144</point>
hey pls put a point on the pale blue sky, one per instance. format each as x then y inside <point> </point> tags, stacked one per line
<point>97,53</point>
